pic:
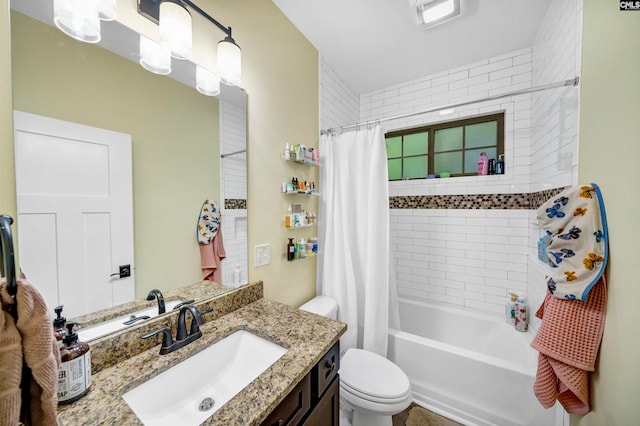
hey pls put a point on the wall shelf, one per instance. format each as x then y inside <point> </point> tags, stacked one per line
<point>315,194</point>
<point>301,226</point>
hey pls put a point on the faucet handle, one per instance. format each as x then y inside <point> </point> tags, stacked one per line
<point>167,340</point>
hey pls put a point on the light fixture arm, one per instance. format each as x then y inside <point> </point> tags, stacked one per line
<point>191,5</point>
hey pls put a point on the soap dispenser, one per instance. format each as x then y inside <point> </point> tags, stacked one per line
<point>74,376</point>
<point>58,326</point>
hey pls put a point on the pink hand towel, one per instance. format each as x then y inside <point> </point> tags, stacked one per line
<point>568,341</point>
<point>211,255</point>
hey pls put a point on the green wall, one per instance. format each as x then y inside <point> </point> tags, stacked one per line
<point>174,129</point>
<point>610,157</point>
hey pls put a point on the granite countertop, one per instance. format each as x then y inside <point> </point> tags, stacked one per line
<point>306,336</point>
<point>197,291</point>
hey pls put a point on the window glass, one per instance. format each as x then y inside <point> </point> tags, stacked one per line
<point>394,147</point>
<point>416,144</point>
<point>481,134</point>
<point>448,162</point>
<point>415,167</point>
<point>448,139</point>
<point>395,169</point>
<point>452,146</point>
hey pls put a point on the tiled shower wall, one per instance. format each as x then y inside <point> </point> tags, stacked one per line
<point>233,190</point>
<point>473,257</point>
<point>339,102</point>
<point>555,120</point>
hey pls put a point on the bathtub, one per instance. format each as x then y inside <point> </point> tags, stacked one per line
<point>471,367</point>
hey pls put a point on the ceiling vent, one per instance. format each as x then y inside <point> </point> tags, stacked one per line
<point>431,13</point>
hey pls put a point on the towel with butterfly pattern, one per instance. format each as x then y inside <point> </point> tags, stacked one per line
<point>577,249</point>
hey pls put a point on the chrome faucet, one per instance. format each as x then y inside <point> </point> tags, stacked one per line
<point>156,294</point>
<point>183,337</point>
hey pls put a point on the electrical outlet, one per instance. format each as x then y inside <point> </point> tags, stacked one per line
<point>262,254</point>
<point>125,271</point>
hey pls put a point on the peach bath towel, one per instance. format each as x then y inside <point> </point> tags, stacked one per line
<point>211,256</point>
<point>30,339</point>
<point>568,341</point>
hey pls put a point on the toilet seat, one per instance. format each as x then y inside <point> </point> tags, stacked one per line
<point>373,378</point>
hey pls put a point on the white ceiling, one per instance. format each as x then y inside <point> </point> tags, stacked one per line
<point>374,44</point>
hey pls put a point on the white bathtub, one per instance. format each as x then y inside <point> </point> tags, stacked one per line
<point>471,367</point>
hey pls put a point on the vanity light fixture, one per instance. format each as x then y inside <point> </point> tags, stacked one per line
<point>174,20</point>
<point>175,29</point>
<point>107,10</point>
<point>207,82</point>
<point>435,12</point>
<point>78,19</point>
<point>153,57</point>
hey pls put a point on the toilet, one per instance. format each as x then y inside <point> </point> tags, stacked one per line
<point>372,388</point>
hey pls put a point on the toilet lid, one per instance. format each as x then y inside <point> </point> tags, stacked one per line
<point>371,374</point>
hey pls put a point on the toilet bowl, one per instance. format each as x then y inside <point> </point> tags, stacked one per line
<point>372,388</point>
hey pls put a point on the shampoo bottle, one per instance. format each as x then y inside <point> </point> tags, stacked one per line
<point>74,376</point>
<point>287,152</point>
<point>522,320</point>
<point>510,309</point>
<point>483,164</point>
<point>291,251</point>
<point>58,326</point>
<point>500,165</point>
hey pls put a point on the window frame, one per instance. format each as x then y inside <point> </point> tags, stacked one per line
<point>432,128</point>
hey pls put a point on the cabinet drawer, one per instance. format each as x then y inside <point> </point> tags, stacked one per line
<point>324,372</point>
<point>294,407</point>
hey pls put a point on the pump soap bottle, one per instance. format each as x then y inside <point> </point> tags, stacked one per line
<point>522,316</point>
<point>74,376</point>
<point>58,326</point>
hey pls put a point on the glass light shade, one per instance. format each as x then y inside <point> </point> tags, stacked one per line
<point>175,29</point>
<point>207,82</point>
<point>107,10</point>
<point>229,62</point>
<point>78,19</point>
<point>153,57</point>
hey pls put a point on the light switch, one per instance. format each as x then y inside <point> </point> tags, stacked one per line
<point>262,254</point>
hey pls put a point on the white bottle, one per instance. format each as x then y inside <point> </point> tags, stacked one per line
<point>287,152</point>
<point>522,316</point>
<point>510,309</point>
<point>302,248</point>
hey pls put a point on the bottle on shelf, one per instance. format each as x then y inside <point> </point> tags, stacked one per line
<point>290,250</point>
<point>500,165</point>
<point>483,164</point>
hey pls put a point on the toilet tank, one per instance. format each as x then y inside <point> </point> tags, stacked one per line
<point>322,305</point>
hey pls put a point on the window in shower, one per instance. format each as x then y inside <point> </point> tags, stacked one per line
<point>452,147</point>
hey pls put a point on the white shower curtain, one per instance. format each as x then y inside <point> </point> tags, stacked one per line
<point>354,265</point>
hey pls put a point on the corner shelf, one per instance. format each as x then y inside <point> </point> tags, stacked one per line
<point>312,194</point>
<point>301,226</point>
<point>304,162</point>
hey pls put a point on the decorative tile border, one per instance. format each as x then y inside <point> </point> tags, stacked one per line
<point>517,201</point>
<point>235,204</point>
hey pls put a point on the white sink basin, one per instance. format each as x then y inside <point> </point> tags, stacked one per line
<point>113,325</point>
<point>216,373</point>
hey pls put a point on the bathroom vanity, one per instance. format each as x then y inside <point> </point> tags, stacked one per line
<point>302,385</point>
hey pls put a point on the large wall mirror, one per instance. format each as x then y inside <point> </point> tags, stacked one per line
<point>186,148</point>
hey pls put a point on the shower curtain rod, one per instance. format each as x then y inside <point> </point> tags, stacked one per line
<point>232,153</point>
<point>569,82</point>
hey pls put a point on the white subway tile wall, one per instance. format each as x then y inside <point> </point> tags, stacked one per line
<point>554,122</point>
<point>339,102</point>
<point>233,185</point>
<point>474,258</point>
